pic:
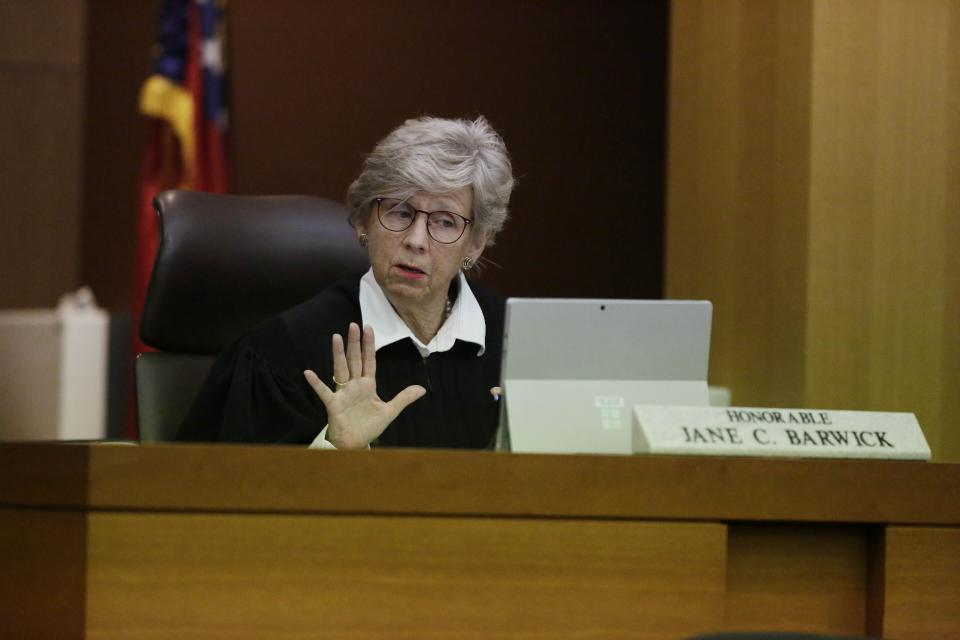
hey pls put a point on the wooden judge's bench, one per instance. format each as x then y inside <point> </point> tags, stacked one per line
<point>113,541</point>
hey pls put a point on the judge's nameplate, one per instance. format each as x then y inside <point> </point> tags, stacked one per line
<point>754,431</point>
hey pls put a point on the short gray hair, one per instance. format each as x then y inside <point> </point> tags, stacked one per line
<point>438,155</point>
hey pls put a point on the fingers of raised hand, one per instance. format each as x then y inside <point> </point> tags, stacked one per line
<point>404,399</point>
<point>369,352</point>
<point>340,370</point>
<point>354,356</point>
<point>318,385</point>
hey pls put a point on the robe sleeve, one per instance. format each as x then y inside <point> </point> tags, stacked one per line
<point>255,393</point>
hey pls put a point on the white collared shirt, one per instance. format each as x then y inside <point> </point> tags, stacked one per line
<point>465,322</point>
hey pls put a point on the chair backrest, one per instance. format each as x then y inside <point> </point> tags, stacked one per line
<point>224,263</point>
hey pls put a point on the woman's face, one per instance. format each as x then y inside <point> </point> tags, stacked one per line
<point>410,266</point>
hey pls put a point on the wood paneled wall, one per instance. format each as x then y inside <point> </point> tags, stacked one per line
<point>576,88</point>
<point>736,189</point>
<point>813,196</point>
<point>120,35</point>
<point>41,115</point>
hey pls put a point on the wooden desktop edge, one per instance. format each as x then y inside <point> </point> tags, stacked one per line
<point>233,478</point>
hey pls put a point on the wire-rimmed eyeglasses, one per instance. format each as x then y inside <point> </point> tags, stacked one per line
<point>446,227</point>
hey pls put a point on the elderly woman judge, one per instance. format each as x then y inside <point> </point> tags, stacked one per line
<point>407,354</point>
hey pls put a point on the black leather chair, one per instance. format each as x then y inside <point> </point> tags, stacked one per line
<point>225,263</point>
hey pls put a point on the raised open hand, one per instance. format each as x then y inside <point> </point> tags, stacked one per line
<point>356,415</point>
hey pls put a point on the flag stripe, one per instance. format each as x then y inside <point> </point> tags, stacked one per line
<point>185,101</point>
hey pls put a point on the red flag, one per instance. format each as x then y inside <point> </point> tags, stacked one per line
<point>185,99</point>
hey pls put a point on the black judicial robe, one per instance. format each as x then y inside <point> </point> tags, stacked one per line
<point>256,392</point>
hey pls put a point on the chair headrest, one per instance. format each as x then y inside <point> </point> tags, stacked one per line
<point>225,263</point>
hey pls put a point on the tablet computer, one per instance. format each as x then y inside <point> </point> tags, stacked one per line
<point>574,368</point>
